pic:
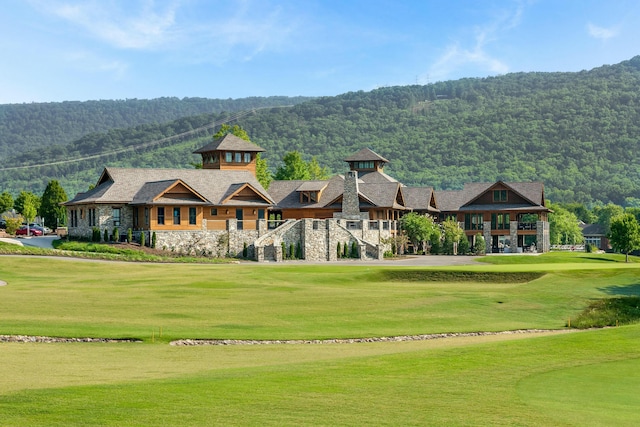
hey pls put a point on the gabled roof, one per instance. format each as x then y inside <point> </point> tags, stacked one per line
<point>420,198</point>
<point>532,192</point>
<point>312,186</point>
<point>365,155</point>
<point>382,195</point>
<point>156,192</point>
<point>592,230</point>
<point>229,142</point>
<point>211,186</point>
<point>371,177</point>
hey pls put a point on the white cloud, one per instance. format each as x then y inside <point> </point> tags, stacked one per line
<point>207,32</point>
<point>456,57</point>
<point>601,32</point>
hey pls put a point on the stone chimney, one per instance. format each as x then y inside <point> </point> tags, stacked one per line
<point>350,199</point>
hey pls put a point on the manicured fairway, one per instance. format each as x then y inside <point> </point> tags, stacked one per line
<point>574,378</point>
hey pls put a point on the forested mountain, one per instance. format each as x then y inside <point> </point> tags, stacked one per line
<point>28,127</point>
<point>579,133</point>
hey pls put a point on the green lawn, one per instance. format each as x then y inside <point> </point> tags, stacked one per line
<point>576,378</point>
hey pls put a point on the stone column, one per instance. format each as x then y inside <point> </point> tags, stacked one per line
<point>486,232</point>
<point>513,235</point>
<point>331,243</point>
<point>260,253</point>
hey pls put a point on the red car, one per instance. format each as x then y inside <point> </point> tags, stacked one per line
<point>33,231</point>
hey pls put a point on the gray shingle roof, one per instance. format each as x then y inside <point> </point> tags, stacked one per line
<point>456,200</point>
<point>365,155</point>
<point>229,142</point>
<point>418,198</point>
<point>124,185</point>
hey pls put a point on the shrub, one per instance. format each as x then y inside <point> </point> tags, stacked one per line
<point>354,249</point>
<point>129,235</point>
<point>299,250</point>
<point>154,239</point>
<point>436,247</point>
<point>95,234</point>
<point>479,246</point>
<point>463,246</point>
<point>116,235</point>
<point>106,235</point>
<point>143,239</point>
<point>292,253</point>
<point>339,251</point>
<point>284,250</point>
<point>345,250</point>
<point>245,251</point>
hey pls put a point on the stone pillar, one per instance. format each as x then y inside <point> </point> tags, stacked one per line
<point>331,243</point>
<point>277,252</point>
<point>513,235</point>
<point>306,237</point>
<point>363,251</point>
<point>486,232</point>
<point>262,227</point>
<point>260,253</point>
<point>542,237</point>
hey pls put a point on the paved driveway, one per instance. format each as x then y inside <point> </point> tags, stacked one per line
<point>38,242</point>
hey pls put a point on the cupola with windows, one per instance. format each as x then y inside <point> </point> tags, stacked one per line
<point>229,153</point>
<point>366,160</point>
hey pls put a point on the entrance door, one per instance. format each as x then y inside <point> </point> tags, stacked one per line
<point>239,217</point>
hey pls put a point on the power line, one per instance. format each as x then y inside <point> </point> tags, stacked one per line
<point>232,118</point>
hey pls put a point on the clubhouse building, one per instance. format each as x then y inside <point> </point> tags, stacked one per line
<point>222,209</point>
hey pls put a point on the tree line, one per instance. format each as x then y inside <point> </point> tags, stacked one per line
<point>576,132</point>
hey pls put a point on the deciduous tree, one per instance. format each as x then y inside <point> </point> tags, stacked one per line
<point>50,208</point>
<point>625,234</point>
<point>419,228</point>
<point>6,201</point>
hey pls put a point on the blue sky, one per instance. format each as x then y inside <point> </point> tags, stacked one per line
<point>57,50</point>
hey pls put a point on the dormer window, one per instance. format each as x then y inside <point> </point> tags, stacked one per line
<point>247,157</point>
<point>309,197</point>
<point>500,196</point>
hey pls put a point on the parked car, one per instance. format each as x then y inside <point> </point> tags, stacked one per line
<point>43,228</point>
<point>33,231</point>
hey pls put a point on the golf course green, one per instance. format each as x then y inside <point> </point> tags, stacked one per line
<point>553,376</point>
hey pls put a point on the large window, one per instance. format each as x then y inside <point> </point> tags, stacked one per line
<point>116,217</point>
<point>192,216</point>
<point>238,157</point>
<point>92,217</point>
<point>473,221</point>
<point>247,157</point>
<point>136,220</point>
<point>228,157</point>
<point>161,215</point>
<point>500,221</point>
<point>176,216</point>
